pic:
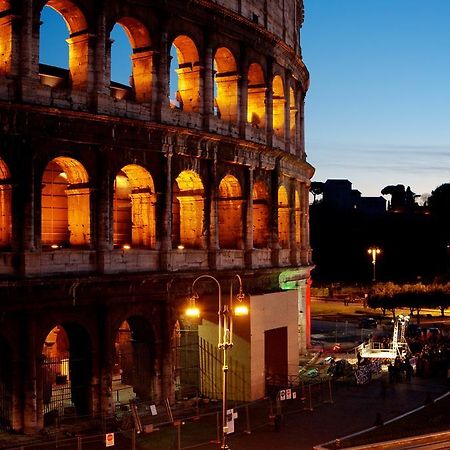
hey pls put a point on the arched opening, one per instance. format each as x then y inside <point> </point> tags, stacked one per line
<point>293,118</point>
<point>5,206</point>
<point>6,38</point>
<point>130,37</point>
<point>65,206</point>
<point>187,210</point>
<point>230,213</point>
<point>66,372</point>
<point>225,86</point>
<point>260,215</point>
<point>134,372</point>
<point>185,75</point>
<point>279,103</point>
<point>283,218</point>
<point>5,384</point>
<point>298,216</point>
<point>56,42</point>
<point>256,101</point>
<point>134,203</point>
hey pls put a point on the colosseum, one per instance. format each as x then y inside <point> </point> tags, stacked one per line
<point>115,197</point>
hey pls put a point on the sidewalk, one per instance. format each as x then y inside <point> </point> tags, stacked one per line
<point>354,409</point>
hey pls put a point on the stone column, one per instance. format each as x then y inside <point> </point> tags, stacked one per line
<point>213,245</point>
<point>10,38</point>
<point>78,211</point>
<point>292,222</point>
<point>105,401</point>
<point>304,230</point>
<point>242,92</point>
<point>79,61</point>
<point>166,366</point>
<point>102,65</point>
<point>287,114</point>
<point>269,103</point>
<point>303,331</point>
<point>300,151</point>
<point>208,91</point>
<point>143,75</point>
<point>248,228</point>
<point>102,213</point>
<point>32,394</point>
<point>161,85</point>
<point>166,216</point>
<point>273,218</point>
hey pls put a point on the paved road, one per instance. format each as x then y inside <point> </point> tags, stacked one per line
<point>354,409</point>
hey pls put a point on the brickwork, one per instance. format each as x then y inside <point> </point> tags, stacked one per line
<point>113,198</point>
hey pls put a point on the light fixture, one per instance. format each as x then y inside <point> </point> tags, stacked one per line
<point>193,310</point>
<point>180,247</point>
<point>55,246</point>
<point>126,247</point>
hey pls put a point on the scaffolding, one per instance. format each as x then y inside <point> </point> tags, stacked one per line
<point>397,347</point>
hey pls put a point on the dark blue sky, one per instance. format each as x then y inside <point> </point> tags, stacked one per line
<point>377,111</point>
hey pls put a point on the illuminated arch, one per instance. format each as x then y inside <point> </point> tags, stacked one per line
<point>5,205</point>
<point>77,42</point>
<point>6,38</point>
<point>226,85</point>
<point>134,214</point>
<point>279,103</point>
<point>66,370</point>
<point>134,371</point>
<point>298,216</point>
<point>283,217</point>
<point>187,210</point>
<point>230,213</point>
<point>293,118</point>
<point>187,95</point>
<point>260,215</point>
<point>65,205</point>
<point>256,97</point>
<point>141,57</point>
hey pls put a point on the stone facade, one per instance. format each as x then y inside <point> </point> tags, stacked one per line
<point>112,200</point>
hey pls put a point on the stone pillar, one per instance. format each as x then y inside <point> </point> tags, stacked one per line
<point>248,228</point>
<point>242,92</point>
<point>102,97</point>
<point>166,375</point>
<point>292,222</point>
<point>287,114</point>
<point>208,91</point>
<point>10,44</point>
<point>102,213</point>
<point>79,61</point>
<point>269,103</point>
<point>28,59</point>
<point>213,245</point>
<point>78,212</point>
<point>273,218</point>
<point>143,219</point>
<point>105,358</point>
<point>143,75</point>
<point>166,216</point>
<point>304,230</point>
<point>300,151</point>
<point>32,394</point>
<point>161,85</point>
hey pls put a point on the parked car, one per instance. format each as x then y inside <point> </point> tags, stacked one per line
<point>368,322</point>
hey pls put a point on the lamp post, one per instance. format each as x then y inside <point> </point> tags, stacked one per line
<point>374,251</point>
<point>225,314</point>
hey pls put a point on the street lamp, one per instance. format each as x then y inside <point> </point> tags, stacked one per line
<point>374,251</point>
<point>225,333</point>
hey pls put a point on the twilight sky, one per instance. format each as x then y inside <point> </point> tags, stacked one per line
<point>378,108</point>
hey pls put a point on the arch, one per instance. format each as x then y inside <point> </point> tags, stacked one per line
<point>141,79</point>
<point>256,97</point>
<point>283,217</point>
<point>6,38</point>
<point>65,204</point>
<point>134,204</point>
<point>187,210</point>
<point>6,384</point>
<point>66,367</point>
<point>298,216</point>
<point>225,85</point>
<point>78,43</point>
<point>134,371</point>
<point>5,205</point>
<point>293,118</point>
<point>279,104</point>
<point>188,75</point>
<point>260,215</point>
<point>230,213</point>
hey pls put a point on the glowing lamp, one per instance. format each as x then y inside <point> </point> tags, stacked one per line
<point>126,246</point>
<point>180,247</point>
<point>193,312</point>
<point>54,246</point>
<point>241,310</point>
